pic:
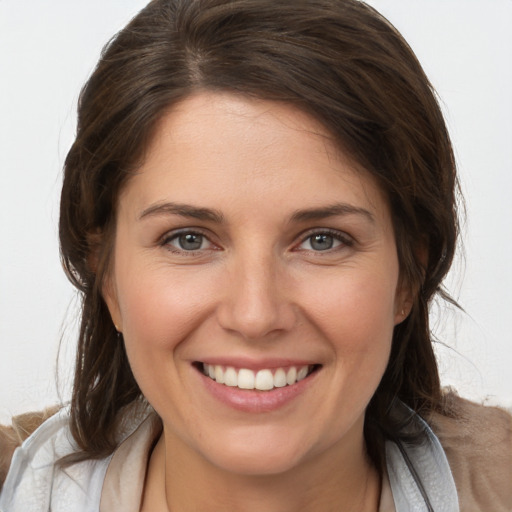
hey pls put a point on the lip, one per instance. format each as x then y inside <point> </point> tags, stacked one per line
<point>254,401</point>
<point>262,364</point>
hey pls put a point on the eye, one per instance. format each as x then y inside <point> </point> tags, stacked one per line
<point>321,242</point>
<point>188,241</point>
<point>324,241</point>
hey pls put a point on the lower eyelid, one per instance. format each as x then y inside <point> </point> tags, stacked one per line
<point>166,241</point>
<point>339,239</point>
<point>168,238</point>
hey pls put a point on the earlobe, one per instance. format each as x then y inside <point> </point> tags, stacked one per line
<point>404,301</point>
<point>110,298</point>
<point>407,293</point>
<point>95,242</point>
<point>402,312</point>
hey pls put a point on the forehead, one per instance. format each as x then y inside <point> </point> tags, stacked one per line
<point>215,147</point>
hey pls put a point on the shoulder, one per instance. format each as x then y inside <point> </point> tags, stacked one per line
<point>12,436</point>
<point>35,479</point>
<point>477,440</point>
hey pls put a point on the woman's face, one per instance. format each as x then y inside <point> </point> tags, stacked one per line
<point>248,250</point>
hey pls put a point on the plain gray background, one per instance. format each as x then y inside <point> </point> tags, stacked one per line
<point>47,50</point>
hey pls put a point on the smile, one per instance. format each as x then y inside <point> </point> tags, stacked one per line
<point>261,380</point>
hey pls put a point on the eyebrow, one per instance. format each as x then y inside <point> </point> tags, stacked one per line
<point>183,210</point>
<point>338,209</point>
<point>208,214</point>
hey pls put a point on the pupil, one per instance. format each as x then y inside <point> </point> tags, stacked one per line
<point>322,242</point>
<point>190,242</point>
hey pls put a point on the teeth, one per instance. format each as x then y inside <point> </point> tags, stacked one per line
<point>302,373</point>
<point>280,378</point>
<point>291,376</point>
<point>246,379</point>
<point>219,374</point>
<point>263,380</point>
<point>230,377</point>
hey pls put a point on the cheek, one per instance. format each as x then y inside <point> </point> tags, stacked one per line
<point>159,307</point>
<point>159,310</point>
<point>356,310</point>
<point>355,314</point>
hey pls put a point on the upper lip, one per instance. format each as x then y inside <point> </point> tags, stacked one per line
<point>259,364</point>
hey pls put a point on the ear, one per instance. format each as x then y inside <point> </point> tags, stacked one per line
<point>407,292</point>
<point>109,293</point>
<point>404,301</point>
<point>96,264</point>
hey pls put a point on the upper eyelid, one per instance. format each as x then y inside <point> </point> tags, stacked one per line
<point>346,241</point>
<point>300,238</point>
<point>166,242</point>
<point>336,233</point>
<point>173,233</point>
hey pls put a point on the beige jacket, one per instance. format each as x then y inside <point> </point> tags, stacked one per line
<point>478,444</point>
<point>477,441</point>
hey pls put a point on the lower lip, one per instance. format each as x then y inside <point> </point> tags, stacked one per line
<point>256,401</point>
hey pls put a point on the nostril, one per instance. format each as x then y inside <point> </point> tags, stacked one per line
<point>253,321</point>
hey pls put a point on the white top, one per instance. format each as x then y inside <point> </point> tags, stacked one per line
<point>420,479</point>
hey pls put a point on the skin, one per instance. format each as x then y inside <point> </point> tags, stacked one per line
<point>256,288</point>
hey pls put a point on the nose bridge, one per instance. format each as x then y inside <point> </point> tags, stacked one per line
<point>255,303</point>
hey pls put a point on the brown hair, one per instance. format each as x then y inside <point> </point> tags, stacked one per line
<point>338,60</point>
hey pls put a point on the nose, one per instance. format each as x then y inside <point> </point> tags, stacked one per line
<point>256,302</point>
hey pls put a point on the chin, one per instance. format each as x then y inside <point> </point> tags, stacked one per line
<point>256,464</point>
<point>258,455</point>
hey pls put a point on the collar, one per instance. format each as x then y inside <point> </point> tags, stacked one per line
<point>418,477</point>
<point>419,472</point>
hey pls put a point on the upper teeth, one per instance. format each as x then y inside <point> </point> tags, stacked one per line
<point>263,380</point>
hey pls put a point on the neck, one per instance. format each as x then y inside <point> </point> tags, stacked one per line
<point>179,479</point>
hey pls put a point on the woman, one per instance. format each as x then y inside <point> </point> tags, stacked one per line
<point>258,208</point>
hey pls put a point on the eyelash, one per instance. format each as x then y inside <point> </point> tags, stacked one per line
<point>343,239</point>
<point>169,237</point>
<point>339,236</point>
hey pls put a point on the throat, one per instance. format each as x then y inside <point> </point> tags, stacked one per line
<point>181,486</point>
<point>154,497</point>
